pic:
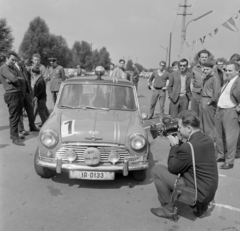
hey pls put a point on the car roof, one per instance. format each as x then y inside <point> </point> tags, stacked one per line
<point>92,79</point>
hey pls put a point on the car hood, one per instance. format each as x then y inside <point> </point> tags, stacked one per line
<point>95,125</point>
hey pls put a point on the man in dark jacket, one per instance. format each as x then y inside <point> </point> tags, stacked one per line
<point>26,99</point>
<point>180,162</point>
<point>179,89</point>
<point>12,97</point>
<point>157,82</point>
<point>209,97</point>
<point>40,95</point>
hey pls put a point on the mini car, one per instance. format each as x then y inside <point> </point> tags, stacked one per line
<point>95,131</point>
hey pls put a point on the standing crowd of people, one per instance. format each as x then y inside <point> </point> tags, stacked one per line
<point>212,90</point>
<point>25,89</point>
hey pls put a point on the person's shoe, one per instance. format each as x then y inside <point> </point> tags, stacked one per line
<point>237,156</point>
<point>201,211</point>
<point>34,129</point>
<point>25,133</point>
<point>165,213</point>
<point>220,159</point>
<point>226,166</point>
<point>20,137</point>
<point>18,142</point>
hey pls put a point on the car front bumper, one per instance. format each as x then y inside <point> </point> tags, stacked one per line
<point>100,167</point>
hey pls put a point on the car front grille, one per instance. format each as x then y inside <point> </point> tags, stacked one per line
<point>104,152</point>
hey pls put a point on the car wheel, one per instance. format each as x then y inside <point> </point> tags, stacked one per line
<point>140,175</point>
<point>41,171</point>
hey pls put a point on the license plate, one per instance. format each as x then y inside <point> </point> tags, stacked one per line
<point>91,175</point>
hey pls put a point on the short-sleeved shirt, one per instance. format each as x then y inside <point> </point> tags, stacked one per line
<point>57,76</point>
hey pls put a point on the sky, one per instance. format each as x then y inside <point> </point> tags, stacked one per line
<point>130,29</point>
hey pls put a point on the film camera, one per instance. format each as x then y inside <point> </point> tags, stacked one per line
<point>169,126</point>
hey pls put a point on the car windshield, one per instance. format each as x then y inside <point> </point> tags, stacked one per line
<point>90,96</point>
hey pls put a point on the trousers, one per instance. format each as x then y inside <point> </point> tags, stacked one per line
<point>42,110</point>
<point>54,96</point>
<point>164,182</point>
<point>207,114</point>
<point>13,101</point>
<point>157,95</point>
<point>28,105</point>
<point>195,102</point>
<point>227,132</point>
<point>177,107</point>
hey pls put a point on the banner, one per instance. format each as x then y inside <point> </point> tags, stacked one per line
<point>230,24</point>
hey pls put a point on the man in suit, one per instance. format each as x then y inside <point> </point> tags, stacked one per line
<point>56,74</point>
<point>26,99</point>
<point>180,162</point>
<point>227,117</point>
<point>157,82</point>
<point>179,89</point>
<point>209,96</point>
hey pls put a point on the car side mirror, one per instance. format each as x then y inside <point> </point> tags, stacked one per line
<point>144,116</point>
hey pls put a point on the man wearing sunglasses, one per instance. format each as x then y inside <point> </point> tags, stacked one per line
<point>179,89</point>
<point>56,75</point>
<point>157,82</point>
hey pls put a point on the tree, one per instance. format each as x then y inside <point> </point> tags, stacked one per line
<point>81,55</point>
<point>6,38</point>
<point>36,40</point>
<point>104,58</point>
<point>129,65</point>
<point>58,48</point>
<point>95,59</point>
<point>139,66</point>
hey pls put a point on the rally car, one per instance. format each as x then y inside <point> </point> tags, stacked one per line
<point>95,131</point>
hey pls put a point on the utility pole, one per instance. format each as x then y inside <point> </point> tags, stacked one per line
<point>184,14</point>
<point>169,51</point>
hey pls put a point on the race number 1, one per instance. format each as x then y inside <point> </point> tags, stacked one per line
<point>68,128</point>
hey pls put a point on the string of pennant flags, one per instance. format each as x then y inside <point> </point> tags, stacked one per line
<point>229,24</point>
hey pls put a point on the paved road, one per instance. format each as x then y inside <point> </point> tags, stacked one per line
<point>29,202</point>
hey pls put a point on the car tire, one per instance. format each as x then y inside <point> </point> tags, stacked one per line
<point>140,175</point>
<point>42,171</point>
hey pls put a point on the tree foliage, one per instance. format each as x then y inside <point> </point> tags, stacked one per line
<point>104,58</point>
<point>6,38</point>
<point>37,39</point>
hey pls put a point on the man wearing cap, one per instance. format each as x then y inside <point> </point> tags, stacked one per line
<point>56,74</point>
<point>209,96</point>
<point>197,80</point>
<point>159,87</point>
<point>227,117</point>
<point>179,89</point>
<point>12,97</point>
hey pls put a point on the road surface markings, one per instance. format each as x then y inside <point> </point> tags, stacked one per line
<point>225,206</point>
<point>222,175</point>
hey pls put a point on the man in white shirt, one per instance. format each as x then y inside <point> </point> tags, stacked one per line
<point>227,117</point>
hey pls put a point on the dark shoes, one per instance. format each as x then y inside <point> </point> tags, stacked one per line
<point>18,142</point>
<point>237,156</point>
<point>34,129</point>
<point>226,166</point>
<point>20,137</point>
<point>25,133</point>
<point>220,159</point>
<point>201,211</point>
<point>165,213</point>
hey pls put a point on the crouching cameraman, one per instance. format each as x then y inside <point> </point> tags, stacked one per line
<point>180,162</point>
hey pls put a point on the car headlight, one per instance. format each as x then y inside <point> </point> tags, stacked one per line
<point>49,138</point>
<point>137,141</point>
